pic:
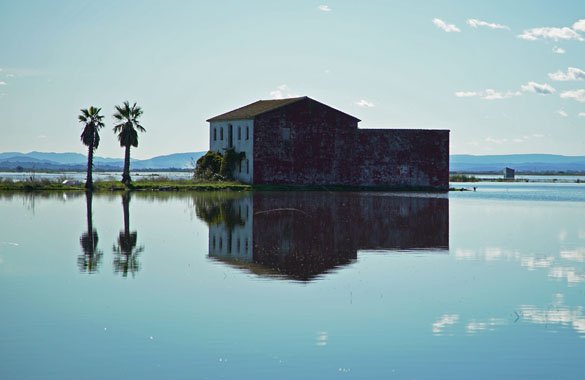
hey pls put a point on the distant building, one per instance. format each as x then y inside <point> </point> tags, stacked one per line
<point>509,173</point>
<point>300,141</point>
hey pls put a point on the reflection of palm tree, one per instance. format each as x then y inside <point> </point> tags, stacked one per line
<point>91,258</point>
<point>126,253</point>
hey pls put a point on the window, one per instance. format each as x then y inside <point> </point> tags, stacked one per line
<point>221,134</point>
<point>247,167</point>
<point>239,133</point>
<point>240,165</point>
<point>285,133</point>
<point>247,133</point>
<point>214,134</point>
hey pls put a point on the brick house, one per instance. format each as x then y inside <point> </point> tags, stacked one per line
<point>300,141</point>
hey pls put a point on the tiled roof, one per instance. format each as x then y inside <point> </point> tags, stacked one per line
<point>254,109</point>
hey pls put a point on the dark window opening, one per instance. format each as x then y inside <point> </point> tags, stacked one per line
<point>239,133</point>
<point>221,134</point>
<point>247,133</point>
<point>214,134</point>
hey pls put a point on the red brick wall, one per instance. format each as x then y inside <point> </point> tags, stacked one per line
<point>326,148</point>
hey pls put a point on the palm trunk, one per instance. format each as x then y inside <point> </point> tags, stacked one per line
<point>126,173</point>
<point>88,178</point>
<point>88,205</point>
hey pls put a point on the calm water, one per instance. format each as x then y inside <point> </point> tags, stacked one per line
<point>97,176</point>
<point>486,284</point>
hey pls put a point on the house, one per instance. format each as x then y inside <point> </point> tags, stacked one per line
<point>300,141</point>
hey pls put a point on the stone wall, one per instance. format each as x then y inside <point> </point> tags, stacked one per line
<point>309,143</point>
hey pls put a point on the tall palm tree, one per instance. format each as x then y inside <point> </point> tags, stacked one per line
<point>90,137</point>
<point>127,130</point>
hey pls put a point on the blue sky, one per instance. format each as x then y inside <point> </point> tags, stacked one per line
<point>503,76</point>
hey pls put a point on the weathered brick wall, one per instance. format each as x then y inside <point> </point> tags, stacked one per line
<point>308,143</point>
<point>309,154</point>
<point>400,157</point>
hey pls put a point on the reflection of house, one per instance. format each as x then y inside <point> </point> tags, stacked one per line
<point>303,235</point>
<point>509,173</point>
<point>300,141</point>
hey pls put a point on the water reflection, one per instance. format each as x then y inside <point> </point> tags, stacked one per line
<point>91,258</point>
<point>304,235</point>
<point>125,251</point>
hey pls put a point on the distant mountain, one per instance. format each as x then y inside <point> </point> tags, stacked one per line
<point>519,162</point>
<point>458,162</point>
<point>77,161</point>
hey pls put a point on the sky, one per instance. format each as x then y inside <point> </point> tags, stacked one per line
<point>503,76</point>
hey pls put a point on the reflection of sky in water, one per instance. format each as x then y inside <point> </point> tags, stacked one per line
<point>509,273</point>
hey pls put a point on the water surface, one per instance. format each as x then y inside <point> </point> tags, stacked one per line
<point>310,285</point>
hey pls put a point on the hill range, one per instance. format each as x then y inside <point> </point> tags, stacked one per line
<point>77,162</point>
<point>461,163</point>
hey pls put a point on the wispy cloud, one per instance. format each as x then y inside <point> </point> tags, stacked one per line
<point>517,139</point>
<point>364,103</point>
<point>579,25</point>
<point>444,26</point>
<point>324,8</point>
<point>488,94</point>
<point>543,89</point>
<point>558,50</point>
<point>578,95</point>
<point>282,92</point>
<point>550,33</point>
<point>474,23</point>
<point>572,73</point>
<point>2,83</point>
<point>581,114</point>
<point>446,320</point>
<point>562,113</point>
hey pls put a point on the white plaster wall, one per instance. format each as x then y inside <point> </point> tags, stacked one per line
<point>242,246</point>
<point>240,145</point>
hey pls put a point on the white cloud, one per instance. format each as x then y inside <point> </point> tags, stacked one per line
<point>474,23</point>
<point>364,103</point>
<point>495,141</point>
<point>2,83</point>
<point>543,89</point>
<point>558,50</point>
<point>324,8</point>
<point>550,33</point>
<point>581,114</point>
<point>466,94</point>
<point>572,73</point>
<point>562,113</point>
<point>444,26</point>
<point>579,25</point>
<point>578,95</point>
<point>282,92</point>
<point>487,94</point>
<point>445,321</point>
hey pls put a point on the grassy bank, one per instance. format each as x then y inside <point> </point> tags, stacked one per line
<point>162,184</point>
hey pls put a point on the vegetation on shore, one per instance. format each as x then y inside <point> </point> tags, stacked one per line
<point>159,184</point>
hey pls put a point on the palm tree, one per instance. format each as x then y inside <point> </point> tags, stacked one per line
<point>127,130</point>
<point>90,137</point>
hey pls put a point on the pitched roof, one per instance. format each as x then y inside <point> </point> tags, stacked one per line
<point>254,109</point>
<point>262,106</point>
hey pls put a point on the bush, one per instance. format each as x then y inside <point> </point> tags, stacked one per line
<point>208,165</point>
<point>214,166</point>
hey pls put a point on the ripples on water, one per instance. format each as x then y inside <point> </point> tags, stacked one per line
<point>485,284</point>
